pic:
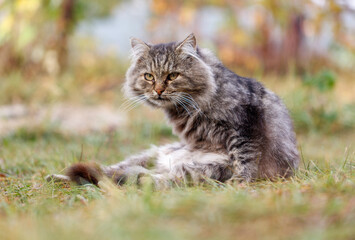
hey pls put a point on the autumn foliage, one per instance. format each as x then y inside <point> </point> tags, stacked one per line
<point>253,36</point>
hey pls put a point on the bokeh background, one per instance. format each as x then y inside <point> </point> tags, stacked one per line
<point>62,65</point>
<point>76,51</point>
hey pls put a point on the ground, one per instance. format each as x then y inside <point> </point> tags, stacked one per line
<point>318,203</point>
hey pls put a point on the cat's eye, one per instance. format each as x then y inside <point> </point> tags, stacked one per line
<point>148,77</point>
<point>172,76</point>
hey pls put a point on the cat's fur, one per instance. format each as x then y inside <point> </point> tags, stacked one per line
<point>230,127</point>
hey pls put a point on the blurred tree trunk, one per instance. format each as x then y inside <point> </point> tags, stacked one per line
<point>293,44</point>
<point>65,24</point>
<point>290,52</point>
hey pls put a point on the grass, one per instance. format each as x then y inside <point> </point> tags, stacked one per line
<point>318,203</point>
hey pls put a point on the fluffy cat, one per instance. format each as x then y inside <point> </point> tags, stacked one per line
<point>230,127</point>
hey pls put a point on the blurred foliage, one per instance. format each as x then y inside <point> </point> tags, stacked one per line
<point>35,34</point>
<point>93,79</point>
<point>316,108</point>
<point>267,35</point>
<point>255,36</point>
<point>323,81</point>
<point>40,60</point>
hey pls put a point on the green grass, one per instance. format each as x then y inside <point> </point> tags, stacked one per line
<point>318,203</point>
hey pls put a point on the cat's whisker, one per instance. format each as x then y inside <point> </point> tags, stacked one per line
<point>132,98</point>
<point>188,103</point>
<point>177,99</point>
<point>191,103</point>
<point>187,98</point>
<point>173,101</point>
<point>132,107</point>
<point>197,107</point>
<point>183,102</point>
<point>129,101</point>
<point>183,105</point>
<point>176,107</point>
<point>134,103</point>
<point>186,95</point>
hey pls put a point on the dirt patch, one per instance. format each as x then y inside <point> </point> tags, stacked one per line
<point>76,119</point>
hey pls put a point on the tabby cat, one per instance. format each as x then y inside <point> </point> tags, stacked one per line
<point>230,127</point>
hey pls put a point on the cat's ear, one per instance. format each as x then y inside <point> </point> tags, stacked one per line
<point>138,46</point>
<point>188,45</point>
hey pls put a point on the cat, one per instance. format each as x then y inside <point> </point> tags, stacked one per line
<point>231,128</point>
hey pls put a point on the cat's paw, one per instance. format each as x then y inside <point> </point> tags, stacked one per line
<point>237,178</point>
<point>236,182</point>
<point>244,172</point>
<point>241,174</point>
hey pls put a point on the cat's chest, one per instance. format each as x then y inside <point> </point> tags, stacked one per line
<point>195,131</point>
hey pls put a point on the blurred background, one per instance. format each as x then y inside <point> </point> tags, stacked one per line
<point>62,62</point>
<point>62,65</point>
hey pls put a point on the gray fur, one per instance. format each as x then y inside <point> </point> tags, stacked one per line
<point>230,127</point>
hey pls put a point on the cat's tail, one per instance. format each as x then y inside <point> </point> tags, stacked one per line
<point>83,173</point>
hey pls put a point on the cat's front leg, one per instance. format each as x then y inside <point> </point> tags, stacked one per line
<point>133,167</point>
<point>143,159</point>
<point>244,155</point>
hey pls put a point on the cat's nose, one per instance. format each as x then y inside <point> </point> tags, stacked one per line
<point>159,91</point>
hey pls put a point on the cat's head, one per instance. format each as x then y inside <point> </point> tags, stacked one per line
<point>168,75</point>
